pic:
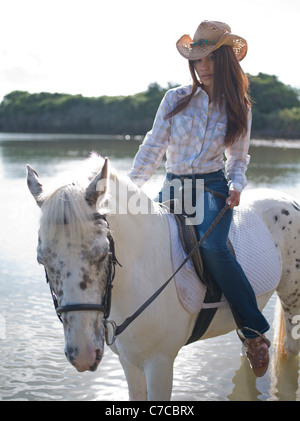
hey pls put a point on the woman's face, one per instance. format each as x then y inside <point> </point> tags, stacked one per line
<point>205,70</point>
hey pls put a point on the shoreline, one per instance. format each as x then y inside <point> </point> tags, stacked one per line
<point>276,143</point>
<point>6,136</point>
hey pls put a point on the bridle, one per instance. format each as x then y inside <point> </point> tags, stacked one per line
<point>105,306</point>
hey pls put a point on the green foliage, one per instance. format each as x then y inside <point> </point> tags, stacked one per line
<point>272,101</point>
<point>50,113</point>
<point>276,111</point>
<point>271,95</point>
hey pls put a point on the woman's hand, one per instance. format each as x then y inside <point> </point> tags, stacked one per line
<point>234,198</point>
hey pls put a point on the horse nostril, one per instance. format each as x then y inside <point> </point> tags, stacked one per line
<point>70,354</point>
<point>98,355</point>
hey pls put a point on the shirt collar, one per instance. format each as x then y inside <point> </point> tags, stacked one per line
<point>199,91</point>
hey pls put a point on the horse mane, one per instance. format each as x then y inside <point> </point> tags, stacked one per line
<point>65,210</point>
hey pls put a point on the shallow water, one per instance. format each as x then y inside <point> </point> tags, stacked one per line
<point>33,365</point>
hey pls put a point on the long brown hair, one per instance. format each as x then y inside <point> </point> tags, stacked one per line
<point>230,83</point>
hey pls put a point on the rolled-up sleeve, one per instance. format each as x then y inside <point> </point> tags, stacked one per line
<point>154,146</point>
<point>237,159</point>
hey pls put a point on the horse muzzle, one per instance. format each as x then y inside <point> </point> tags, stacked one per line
<point>87,360</point>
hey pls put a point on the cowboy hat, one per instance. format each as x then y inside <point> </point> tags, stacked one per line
<point>210,36</point>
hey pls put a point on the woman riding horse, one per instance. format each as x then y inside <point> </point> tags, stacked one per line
<point>195,126</point>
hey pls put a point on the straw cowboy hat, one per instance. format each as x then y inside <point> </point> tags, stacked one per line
<point>210,36</point>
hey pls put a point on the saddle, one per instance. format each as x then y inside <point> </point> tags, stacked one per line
<point>188,238</point>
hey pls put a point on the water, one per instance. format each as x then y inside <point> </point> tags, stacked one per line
<point>33,366</point>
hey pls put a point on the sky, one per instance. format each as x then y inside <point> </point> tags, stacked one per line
<point>119,47</point>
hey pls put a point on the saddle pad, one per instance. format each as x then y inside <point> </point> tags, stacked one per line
<point>254,249</point>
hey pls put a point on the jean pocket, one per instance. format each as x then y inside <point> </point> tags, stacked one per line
<point>219,185</point>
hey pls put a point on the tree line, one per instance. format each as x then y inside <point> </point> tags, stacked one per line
<point>276,111</point>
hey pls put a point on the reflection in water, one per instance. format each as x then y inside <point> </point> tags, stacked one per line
<point>274,167</point>
<point>285,382</point>
<point>47,155</point>
<point>244,384</point>
<point>33,365</point>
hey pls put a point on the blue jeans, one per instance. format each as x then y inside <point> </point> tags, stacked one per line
<point>217,258</point>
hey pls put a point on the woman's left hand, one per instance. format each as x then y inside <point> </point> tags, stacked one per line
<point>234,198</point>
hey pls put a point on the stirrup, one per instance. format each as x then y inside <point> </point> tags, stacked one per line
<point>259,368</point>
<point>243,339</point>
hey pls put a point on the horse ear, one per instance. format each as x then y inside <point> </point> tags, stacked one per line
<point>34,185</point>
<point>98,186</point>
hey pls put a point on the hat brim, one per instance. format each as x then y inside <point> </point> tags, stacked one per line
<point>195,52</point>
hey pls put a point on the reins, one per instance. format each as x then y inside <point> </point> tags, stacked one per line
<point>119,329</point>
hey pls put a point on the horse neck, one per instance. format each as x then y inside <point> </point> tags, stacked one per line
<point>134,235</point>
<point>136,222</point>
<point>142,246</point>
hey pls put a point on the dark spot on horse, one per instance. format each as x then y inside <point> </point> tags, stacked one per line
<point>85,282</point>
<point>94,366</point>
<point>69,274</point>
<point>290,222</point>
<point>297,266</point>
<point>286,307</point>
<point>275,218</point>
<point>71,353</point>
<point>285,212</point>
<point>283,228</point>
<point>51,269</point>
<point>87,279</point>
<point>83,285</point>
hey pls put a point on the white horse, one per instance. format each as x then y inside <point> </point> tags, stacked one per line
<point>76,248</point>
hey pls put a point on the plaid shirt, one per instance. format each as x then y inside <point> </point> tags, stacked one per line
<point>193,141</point>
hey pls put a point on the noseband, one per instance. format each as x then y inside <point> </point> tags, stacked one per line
<point>105,306</point>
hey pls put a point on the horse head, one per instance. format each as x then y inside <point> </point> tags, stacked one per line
<point>75,249</point>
